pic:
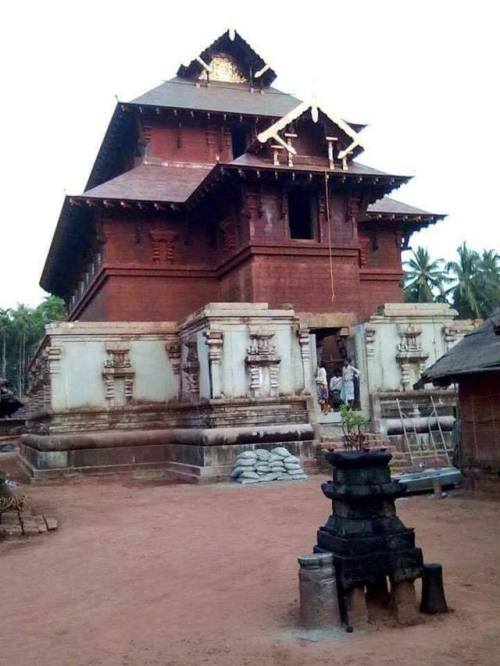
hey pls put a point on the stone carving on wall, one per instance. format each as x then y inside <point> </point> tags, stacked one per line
<point>215,342</point>
<point>118,373</point>
<point>263,364</point>
<point>410,354</point>
<point>163,245</point>
<point>303,335</point>
<point>191,372</point>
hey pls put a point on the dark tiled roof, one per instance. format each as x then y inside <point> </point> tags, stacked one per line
<point>392,207</point>
<point>152,182</point>
<point>479,351</point>
<point>219,97</point>
<point>354,168</point>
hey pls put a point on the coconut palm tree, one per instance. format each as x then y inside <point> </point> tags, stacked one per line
<point>424,279</point>
<point>489,279</point>
<point>467,292</point>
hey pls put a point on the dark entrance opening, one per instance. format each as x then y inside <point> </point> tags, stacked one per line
<point>239,141</point>
<point>301,214</point>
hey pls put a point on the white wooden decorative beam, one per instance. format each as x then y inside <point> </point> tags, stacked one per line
<point>261,71</point>
<point>203,64</point>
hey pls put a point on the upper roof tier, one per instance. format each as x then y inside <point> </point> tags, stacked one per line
<point>218,97</point>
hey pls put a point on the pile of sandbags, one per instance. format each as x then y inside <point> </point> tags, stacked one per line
<point>262,465</point>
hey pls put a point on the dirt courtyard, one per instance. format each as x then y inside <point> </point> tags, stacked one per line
<point>149,574</point>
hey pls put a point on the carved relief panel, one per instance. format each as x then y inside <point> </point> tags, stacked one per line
<point>410,355</point>
<point>263,364</point>
<point>118,375</point>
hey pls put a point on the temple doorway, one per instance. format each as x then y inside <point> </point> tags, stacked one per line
<point>331,349</point>
<point>333,346</point>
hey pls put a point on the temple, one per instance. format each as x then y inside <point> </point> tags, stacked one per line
<point>227,234</point>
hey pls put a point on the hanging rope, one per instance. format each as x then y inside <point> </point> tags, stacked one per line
<point>327,207</point>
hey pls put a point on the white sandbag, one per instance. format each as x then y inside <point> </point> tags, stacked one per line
<point>284,477</point>
<point>244,462</point>
<point>290,466</point>
<point>274,458</point>
<point>262,454</point>
<point>263,468</point>
<point>269,477</point>
<point>247,454</point>
<point>291,458</point>
<point>249,475</point>
<point>246,481</point>
<point>237,471</point>
<point>298,477</point>
<point>281,452</point>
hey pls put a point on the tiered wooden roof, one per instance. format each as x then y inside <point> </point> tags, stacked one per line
<point>185,184</point>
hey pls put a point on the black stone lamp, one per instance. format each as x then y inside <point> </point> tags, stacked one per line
<point>369,543</point>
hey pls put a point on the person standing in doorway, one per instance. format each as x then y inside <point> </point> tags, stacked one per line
<point>322,388</point>
<point>348,374</point>
<point>336,389</point>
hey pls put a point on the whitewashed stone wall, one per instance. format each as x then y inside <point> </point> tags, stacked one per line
<point>397,343</point>
<point>223,351</point>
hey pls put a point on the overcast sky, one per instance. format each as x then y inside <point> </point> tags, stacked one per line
<point>423,75</point>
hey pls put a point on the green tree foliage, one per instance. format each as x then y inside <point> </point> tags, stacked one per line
<point>21,331</point>
<point>425,278</point>
<point>471,284</point>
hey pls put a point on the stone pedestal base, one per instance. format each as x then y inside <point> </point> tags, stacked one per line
<point>318,592</point>
<point>192,455</point>
<point>404,602</point>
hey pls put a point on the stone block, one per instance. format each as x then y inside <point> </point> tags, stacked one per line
<point>404,602</point>
<point>10,530</point>
<point>357,611</point>
<point>51,523</point>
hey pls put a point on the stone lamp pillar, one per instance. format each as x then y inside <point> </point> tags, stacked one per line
<point>368,542</point>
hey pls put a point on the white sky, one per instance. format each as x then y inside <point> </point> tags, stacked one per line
<point>423,74</point>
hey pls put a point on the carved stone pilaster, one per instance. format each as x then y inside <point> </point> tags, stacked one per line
<point>54,355</point>
<point>191,372</point>
<point>370,332</point>
<point>118,369</point>
<point>303,336</point>
<point>262,363</point>
<point>215,342</point>
<point>173,349</point>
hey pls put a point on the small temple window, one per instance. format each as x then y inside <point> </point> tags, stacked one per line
<point>239,141</point>
<point>302,214</point>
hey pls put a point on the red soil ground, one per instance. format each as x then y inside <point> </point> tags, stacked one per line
<point>147,574</point>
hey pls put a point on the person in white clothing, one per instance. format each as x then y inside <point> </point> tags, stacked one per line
<point>348,374</point>
<point>322,388</point>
